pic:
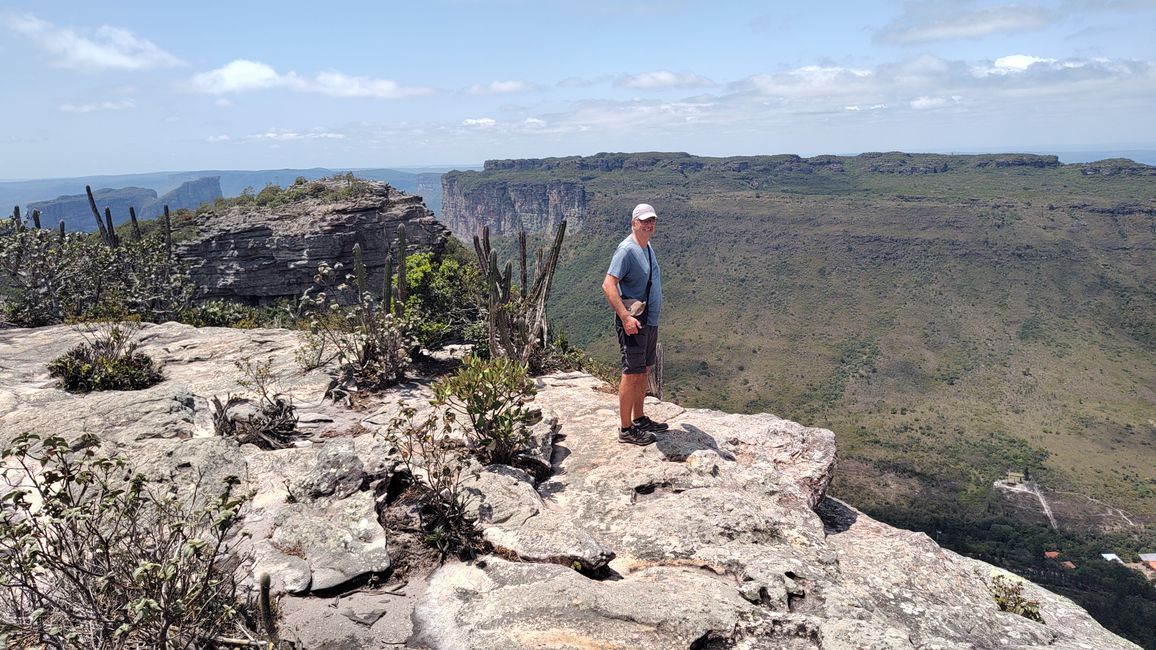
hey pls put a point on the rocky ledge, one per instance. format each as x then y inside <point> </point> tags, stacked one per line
<point>718,536</point>
<point>259,254</point>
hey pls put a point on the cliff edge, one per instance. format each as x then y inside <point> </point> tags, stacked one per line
<point>718,536</point>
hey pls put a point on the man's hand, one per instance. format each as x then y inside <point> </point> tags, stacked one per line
<point>630,325</point>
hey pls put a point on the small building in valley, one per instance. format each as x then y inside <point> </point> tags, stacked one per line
<point>1111,557</point>
<point>1051,555</point>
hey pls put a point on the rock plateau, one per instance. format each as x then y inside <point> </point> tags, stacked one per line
<point>718,536</point>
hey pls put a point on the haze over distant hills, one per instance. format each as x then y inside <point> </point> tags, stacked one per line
<point>423,181</point>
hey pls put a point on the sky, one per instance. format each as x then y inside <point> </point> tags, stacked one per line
<point>126,87</point>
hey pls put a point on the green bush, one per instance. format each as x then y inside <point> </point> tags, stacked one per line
<point>108,360</point>
<point>493,395</point>
<point>91,556</point>
<point>1009,596</point>
<point>442,298</point>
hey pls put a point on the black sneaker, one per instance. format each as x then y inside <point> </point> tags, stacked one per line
<point>636,436</point>
<point>646,424</point>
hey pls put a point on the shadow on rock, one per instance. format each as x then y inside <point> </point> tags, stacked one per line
<point>677,444</point>
<point>836,516</point>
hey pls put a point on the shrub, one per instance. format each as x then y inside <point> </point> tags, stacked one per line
<point>492,394</point>
<point>57,279</point>
<point>442,298</point>
<point>272,424</point>
<point>436,462</point>
<point>93,557</point>
<point>1009,596</point>
<point>107,360</point>
<point>350,326</point>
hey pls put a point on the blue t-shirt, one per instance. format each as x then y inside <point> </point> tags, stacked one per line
<point>631,267</point>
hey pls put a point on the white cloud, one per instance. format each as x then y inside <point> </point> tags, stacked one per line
<point>664,79</point>
<point>940,20</point>
<point>247,76</point>
<point>218,138</point>
<point>223,102</point>
<point>873,107</point>
<point>482,122</point>
<point>239,76</point>
<point>107,48</point>
<point>120,105</point>
<point>501,88</point>
<point>924,103</point>
<point>286,136</point>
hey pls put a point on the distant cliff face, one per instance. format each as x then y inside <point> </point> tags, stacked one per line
<point>260,254</point>
<point>74,210</point>
<point>509,207</point>
<point>190,195</point>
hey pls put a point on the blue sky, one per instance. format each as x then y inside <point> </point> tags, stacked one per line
<point>104,88</point>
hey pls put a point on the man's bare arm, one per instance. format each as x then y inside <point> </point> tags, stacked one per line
<point>610,287</point>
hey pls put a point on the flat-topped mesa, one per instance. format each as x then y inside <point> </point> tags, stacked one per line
<point>262,253</point>
<point>535,194</point>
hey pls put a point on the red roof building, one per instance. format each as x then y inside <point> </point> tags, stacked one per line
<point>1051,555</point>
<point>1067,565</point>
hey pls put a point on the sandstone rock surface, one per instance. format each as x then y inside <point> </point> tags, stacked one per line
<point>259,254</point>
<point>718,536</point>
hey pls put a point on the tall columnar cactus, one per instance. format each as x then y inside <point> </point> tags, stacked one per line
<point>62,230</point>
<point>135,225</point>
<point>401,279</point>
<point>168,224</point>
<point>517,324</point>
<point>36,219</point>
<point>387,293</point>
<point>113,240</point>
<point>96,215</point>
<point>358,271</point>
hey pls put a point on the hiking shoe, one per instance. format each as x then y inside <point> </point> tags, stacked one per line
<point>636,436</point>
<point>646,424</point>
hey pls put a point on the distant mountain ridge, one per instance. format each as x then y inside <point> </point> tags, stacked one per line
<point>76,213</point>
<point>426,184</point>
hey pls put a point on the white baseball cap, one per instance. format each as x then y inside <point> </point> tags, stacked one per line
<point>642,212</point>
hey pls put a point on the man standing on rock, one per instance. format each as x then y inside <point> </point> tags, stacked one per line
<point>634,277</point>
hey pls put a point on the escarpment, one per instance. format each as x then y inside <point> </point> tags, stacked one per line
<point>260,253</point>
<point>718,536</point>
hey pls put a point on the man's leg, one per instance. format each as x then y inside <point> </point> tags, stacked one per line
<point>631,393</point>
<point>639,394</point>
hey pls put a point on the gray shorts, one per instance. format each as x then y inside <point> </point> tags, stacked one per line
<point>638,350</point>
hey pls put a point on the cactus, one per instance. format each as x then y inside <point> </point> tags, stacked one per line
<point>517,326</point>
<point>522,258</point>
<point>265,607</point>
<point>36,219</point>
<point>96,214</point>
<point>135,225</point>
<point>17,222</point>
<point>62,230</point>
<point>112,238</point>
<point>401,280</point>
<point>358,270</point>
<point>168,224</point>
<point>387,294</point>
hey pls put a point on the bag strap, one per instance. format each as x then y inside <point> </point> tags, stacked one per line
<point>650,274</point>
